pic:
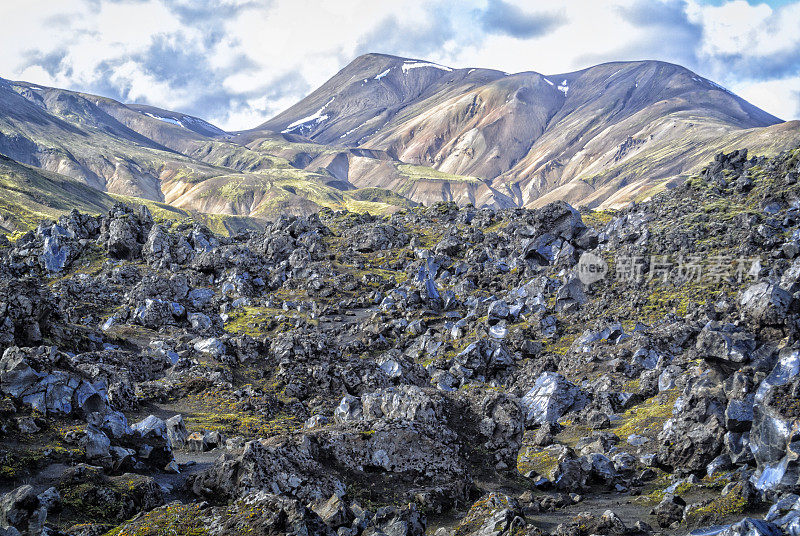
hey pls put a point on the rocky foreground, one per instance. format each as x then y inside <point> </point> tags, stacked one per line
<point>441,371</point>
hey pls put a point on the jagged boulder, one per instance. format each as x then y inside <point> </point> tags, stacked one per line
<point>377,237</point>
<point>123,239</point>
<point>558,219</point>
<point>669,510</point>
<point>494,514</point>
<point>257,513</point>
<point>27,312</point>
<point>765,304</point>
<point>751,527</point>
<point>49,391</point>
<point>481,360</point>
<point>176,432</point>
<point>406,402</point>
<point>570,295</point>
<point>550,397</point>
<point>163,249</point>
<point>151,441</point>
<point>96,445</point>
<point>726,345</point>
<point>775,434</point>
<point>285,466</point>
<point>23,510</point>
<point>58,251</point>
<point>309,466</point>
<point>493,419</point>
<point>157,313</point>
<point>694,435</point>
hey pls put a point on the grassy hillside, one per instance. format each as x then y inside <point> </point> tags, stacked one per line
<point>29,195</point>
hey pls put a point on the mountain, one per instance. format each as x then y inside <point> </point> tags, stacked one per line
<point>162,156</point>
<point>388,132</point>
<point>449,370</point>
<point>580,136</point>
<point>195,124</point>
<point>31,195</point>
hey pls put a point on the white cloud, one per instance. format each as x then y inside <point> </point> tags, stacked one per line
<point>779,97</point>
<point>237,62</point>
<point>596,28</point>
<point>738,27</point>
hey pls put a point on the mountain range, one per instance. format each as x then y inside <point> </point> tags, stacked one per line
<point>385,133</point>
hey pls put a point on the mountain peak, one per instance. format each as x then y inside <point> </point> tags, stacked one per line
<point>529,133</point>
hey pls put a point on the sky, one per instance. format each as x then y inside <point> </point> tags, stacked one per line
<point>237,63</point>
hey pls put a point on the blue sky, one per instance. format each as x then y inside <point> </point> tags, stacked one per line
<point>238,62</point>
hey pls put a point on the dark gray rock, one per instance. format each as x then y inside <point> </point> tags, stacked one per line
<point>669,510</point>
<point>22,510</point>
<point>57,253</point>
<point>550,398</point>
<point>176,432</point>
<point>766,304</point>
<point>163,249</point>
<point>725,345</point>
<point>774,438</point>
<point>124,238</point>
<point>751,527</point>
<point>693,437</point>
<point>570,296</point>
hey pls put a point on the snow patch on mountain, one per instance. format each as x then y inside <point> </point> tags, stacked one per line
<point>349,132</point>
<point>407,66</point>
<point>384,73</point>
<point>187,122</point>
<point>314,119</point>
<point>166,119</point>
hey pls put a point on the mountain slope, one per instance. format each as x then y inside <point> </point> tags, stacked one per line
<point>161,156</point>
<point>527,134</point>
<point>366,95</point>
<point>28,195</point>
<point>417,131</point>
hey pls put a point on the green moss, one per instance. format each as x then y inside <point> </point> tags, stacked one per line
<point>171,520</point>
<point>726,209</point>
<point>243,424</point>
<point>216,411</point>
<point>412,173</point>
<point>559,346</point>
<point>260,321</point>
<point>648,418</point>
<point>430,236</point>
<point>536,460</point>
<point>39,450</point>
<point>678,299</point>
<point>100,499</point>
<point>657,495</point>
<point>81,499</point>
<point>383,276</point>
<point>716,510</point>
<point>598,219</point>
<point>248,320</point>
